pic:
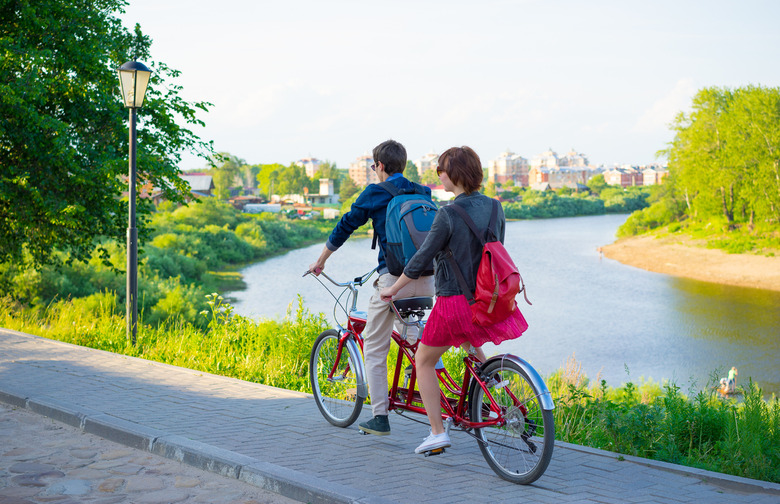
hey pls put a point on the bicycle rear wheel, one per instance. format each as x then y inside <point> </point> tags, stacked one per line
<point>519,450</point>
<point>333,379</point>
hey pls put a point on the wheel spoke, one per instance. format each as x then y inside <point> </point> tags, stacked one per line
<point>519,447</point>
<point>333,380</point>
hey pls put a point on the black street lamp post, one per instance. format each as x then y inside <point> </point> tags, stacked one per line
<point>133,80</point>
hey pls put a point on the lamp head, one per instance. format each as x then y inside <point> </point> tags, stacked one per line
<point>133,80</point>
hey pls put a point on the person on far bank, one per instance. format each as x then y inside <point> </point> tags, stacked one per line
<point>450,323</point>
<point>389,164</point>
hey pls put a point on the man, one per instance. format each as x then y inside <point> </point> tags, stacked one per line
<point>389,164</point>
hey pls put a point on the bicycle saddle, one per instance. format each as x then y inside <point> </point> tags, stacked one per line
<point>408,306</point>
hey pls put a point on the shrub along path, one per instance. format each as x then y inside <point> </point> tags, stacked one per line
<point>276,439</point>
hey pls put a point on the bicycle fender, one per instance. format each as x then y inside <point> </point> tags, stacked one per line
<point>545,398</point>
<point>360,371</point>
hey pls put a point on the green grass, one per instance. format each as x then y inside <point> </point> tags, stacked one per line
<point>649,420</point>
<point>657,421</point>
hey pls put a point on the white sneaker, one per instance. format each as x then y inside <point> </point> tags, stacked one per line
<point>433,442</point>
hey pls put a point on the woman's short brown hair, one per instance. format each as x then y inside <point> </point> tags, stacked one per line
<point>463,167</point>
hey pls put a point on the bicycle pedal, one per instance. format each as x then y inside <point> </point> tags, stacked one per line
<point>435,451</point>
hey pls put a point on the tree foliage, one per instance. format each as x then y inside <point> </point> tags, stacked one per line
<point>725,158</point>
<point>64,130</point>
<point>348,189</point>
<point>268,179</point>
<point>226,175</point>
<point>411,173</point>
<point>329,171</point>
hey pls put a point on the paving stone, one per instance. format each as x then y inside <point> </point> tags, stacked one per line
<point>111,485</point>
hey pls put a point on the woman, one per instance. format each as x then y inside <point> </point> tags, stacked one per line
<point>450,324</point>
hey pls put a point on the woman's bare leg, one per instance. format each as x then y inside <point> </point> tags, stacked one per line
<point>425,361</point>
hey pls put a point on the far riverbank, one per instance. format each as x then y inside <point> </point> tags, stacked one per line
<point>681,256</point>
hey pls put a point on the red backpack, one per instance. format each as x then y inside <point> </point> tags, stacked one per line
<point>498,281</point>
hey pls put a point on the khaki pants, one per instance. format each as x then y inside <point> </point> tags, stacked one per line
<point>377,334</point>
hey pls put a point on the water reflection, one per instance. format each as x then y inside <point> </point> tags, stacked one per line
<point>732,326</point>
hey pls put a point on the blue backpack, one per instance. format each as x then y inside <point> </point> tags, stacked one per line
<point>410,214</point>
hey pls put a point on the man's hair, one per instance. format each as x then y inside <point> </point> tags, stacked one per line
<point>391,154</point>
<point>463,167</point>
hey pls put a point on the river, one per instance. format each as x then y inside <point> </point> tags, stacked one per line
<point>621,323</point>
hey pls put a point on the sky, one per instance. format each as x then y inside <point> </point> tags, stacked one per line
<point>290,79</point>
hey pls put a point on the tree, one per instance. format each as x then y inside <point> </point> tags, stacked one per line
<point>725,158</point>
<point>292,179</point>
<point>64,131</point>
<point>329,171</point>
<point>268,178</point>
<point>597,184</point>
<point>430,177</point>
<point>248,174</point>
<point>565,191</point>
<point>348,189</point>
<point>411,173</point>
<point>225,175</point>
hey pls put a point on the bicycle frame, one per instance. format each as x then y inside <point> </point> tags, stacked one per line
<point>406,398</point>
<point>503,403</point>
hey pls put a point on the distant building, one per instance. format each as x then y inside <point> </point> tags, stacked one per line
<point>653,175</point>
<point>427,162</point>
<point>239,202</point>
<point>326,196</point>
<point>624,176</point>
<point>440,194</point>
<point>540,186</point>
<point>361,173</point>
<point>201,184</point>
<point>573,158</point>
<point>559,177</point>
<point>262,207</point>
<point>310,164</point>
<point>547,159</point>
<point>330,213</point>
<point>508,166</point>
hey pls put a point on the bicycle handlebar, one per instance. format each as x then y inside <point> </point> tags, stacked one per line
<point>359,281</point>
<point>356,281</point>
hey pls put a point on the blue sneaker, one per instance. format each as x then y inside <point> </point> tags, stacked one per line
<point>379,426</point>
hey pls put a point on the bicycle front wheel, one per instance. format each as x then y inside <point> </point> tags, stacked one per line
<point>333,379</point>
<point>518,448</point>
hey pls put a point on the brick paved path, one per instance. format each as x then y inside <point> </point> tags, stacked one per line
<point>43,461</point>
<point>276,439</point>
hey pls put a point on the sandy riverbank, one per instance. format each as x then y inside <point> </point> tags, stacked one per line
<point>680,256</point>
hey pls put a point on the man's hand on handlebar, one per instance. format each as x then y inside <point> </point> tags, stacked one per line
<point>316,268</point>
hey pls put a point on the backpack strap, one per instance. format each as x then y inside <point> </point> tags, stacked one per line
<point>393,190</point>
<point>470,223</point>
<point>389,187</point>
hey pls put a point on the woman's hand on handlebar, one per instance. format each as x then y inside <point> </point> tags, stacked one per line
<point>388,292</point>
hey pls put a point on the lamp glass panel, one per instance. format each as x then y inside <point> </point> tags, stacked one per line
<point>133,85</point>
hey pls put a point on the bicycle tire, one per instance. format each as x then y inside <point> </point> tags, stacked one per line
<point>336,398</point>
<point>520,450</point>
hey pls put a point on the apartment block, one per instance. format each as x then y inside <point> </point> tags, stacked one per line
<point>361,173</point>
<point>508,166</point>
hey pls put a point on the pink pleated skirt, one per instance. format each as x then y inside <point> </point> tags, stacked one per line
<point>449,324</point>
